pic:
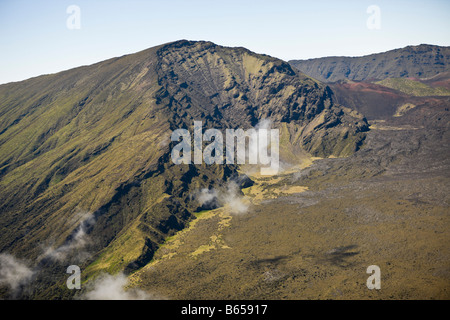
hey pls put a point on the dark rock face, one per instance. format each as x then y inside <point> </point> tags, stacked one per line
<point>235,88</point>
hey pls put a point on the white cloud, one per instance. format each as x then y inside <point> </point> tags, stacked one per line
<point>206,196</point>
<point>77,242</point>
<point>233,200</point>
<point>229,197</point>
<point>13,272</point>
<point>109,287</point>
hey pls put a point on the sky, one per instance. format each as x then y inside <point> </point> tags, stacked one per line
<point>48,36</point>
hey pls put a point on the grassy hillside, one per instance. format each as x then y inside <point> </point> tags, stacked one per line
<point>413,87</point>
<point>85,170</point>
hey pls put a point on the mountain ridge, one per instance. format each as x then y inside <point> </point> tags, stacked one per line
<point>420,61</point>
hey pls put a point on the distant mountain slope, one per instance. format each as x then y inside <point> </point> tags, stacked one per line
<point>86,152</point>
<point>373,100</point>
<point>420,61</point>
<point>441,80</point>
<point>376,101</point>
<point>379,85</point>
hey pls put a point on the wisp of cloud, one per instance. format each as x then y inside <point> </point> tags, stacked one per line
<point>113,287</point>
<point>13,272</point>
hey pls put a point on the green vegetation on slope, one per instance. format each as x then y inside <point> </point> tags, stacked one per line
<point>413,87</point>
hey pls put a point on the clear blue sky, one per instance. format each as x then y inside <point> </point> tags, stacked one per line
<point>35,40</point>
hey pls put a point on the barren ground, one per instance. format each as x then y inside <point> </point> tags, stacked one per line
<point>311,233</point>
